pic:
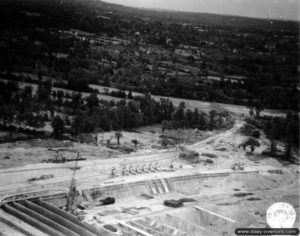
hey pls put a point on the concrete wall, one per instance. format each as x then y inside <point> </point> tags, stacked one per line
<point>131,230</point>
<point>157,227</point>
<point>185,226</point>
<point>121,191</point>
<point>189,185</point>
<point>215,220</point>
<point>209,220</point>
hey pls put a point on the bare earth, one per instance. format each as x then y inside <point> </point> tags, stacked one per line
<point>212,193</point>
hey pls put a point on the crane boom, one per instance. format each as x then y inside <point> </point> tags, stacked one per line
<point>71,199</point>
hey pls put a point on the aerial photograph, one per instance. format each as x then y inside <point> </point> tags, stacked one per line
<point>149,117</point>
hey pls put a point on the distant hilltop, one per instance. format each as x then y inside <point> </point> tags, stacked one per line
<point>266,9</point>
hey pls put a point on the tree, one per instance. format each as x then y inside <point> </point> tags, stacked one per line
<point>202,121</point>
<point>118,136</point>
<point>258,108</point>
<point>135,142</point>
<point>273,145</point>
<point>167,108</point>
<point>289,137</point>
<point>33,120</point>
<point>272,137</point>
<point>212,116</point>
<point>67,120</point>
<point>76,101</point>
<point>58,126</point>
<point>44,91</point>
<point>189,117</point>
<point>60,98</point>
<point>8,115</point>
<point>204,69</point>
<point>77,124</point>
<point>196,117</point>
<point>251,142</point>
<point>82,123</point>
<point>256,134</point>
<point>27,93</point>
<point>164,125</point>
<point>251,111</point>
<point>179,113</point>
<point>92,101</point>
<point>129,95</point>
<point>106,81</point>
<point>54,94</point>
<point>288,152</point>
<point>133,117</point>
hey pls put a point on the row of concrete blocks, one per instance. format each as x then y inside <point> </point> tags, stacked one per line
<point>49,219</point>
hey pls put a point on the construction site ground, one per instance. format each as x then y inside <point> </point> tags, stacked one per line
<point>243,196</point>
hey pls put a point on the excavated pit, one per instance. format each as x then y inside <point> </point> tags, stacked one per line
<point>46,215</point>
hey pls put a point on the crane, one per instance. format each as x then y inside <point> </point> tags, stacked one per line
<point>71,198</point>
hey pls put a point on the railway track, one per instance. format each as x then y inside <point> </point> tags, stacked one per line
<point>14,226</point>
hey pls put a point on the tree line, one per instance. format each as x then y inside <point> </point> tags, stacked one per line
<point>142,111</point>
<point>283,130</point>
<point>80,115</point>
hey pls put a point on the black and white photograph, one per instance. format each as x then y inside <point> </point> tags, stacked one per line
<point>149,117</point>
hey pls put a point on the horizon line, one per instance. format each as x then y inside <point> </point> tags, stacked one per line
<point>205,12</point>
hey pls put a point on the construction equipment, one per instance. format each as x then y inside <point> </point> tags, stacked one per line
<point>62,159</point>
<point>238,166</point>
<point>115,172</point>
<point>42,177</point>
<point>173,203</point>
<point>73,193</point>
<point>108,201</point>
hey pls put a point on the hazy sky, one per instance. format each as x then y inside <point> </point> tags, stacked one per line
<point>286,9</point>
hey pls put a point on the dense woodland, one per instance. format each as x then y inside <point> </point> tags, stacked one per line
<point>71,45</point>
<point>267,55</point>
<point>27,108</point>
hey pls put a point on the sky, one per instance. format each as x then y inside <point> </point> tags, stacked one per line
<point>279,9</point>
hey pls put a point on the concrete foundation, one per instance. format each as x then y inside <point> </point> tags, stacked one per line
<point>208,217</point>
<point>185,226</point>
